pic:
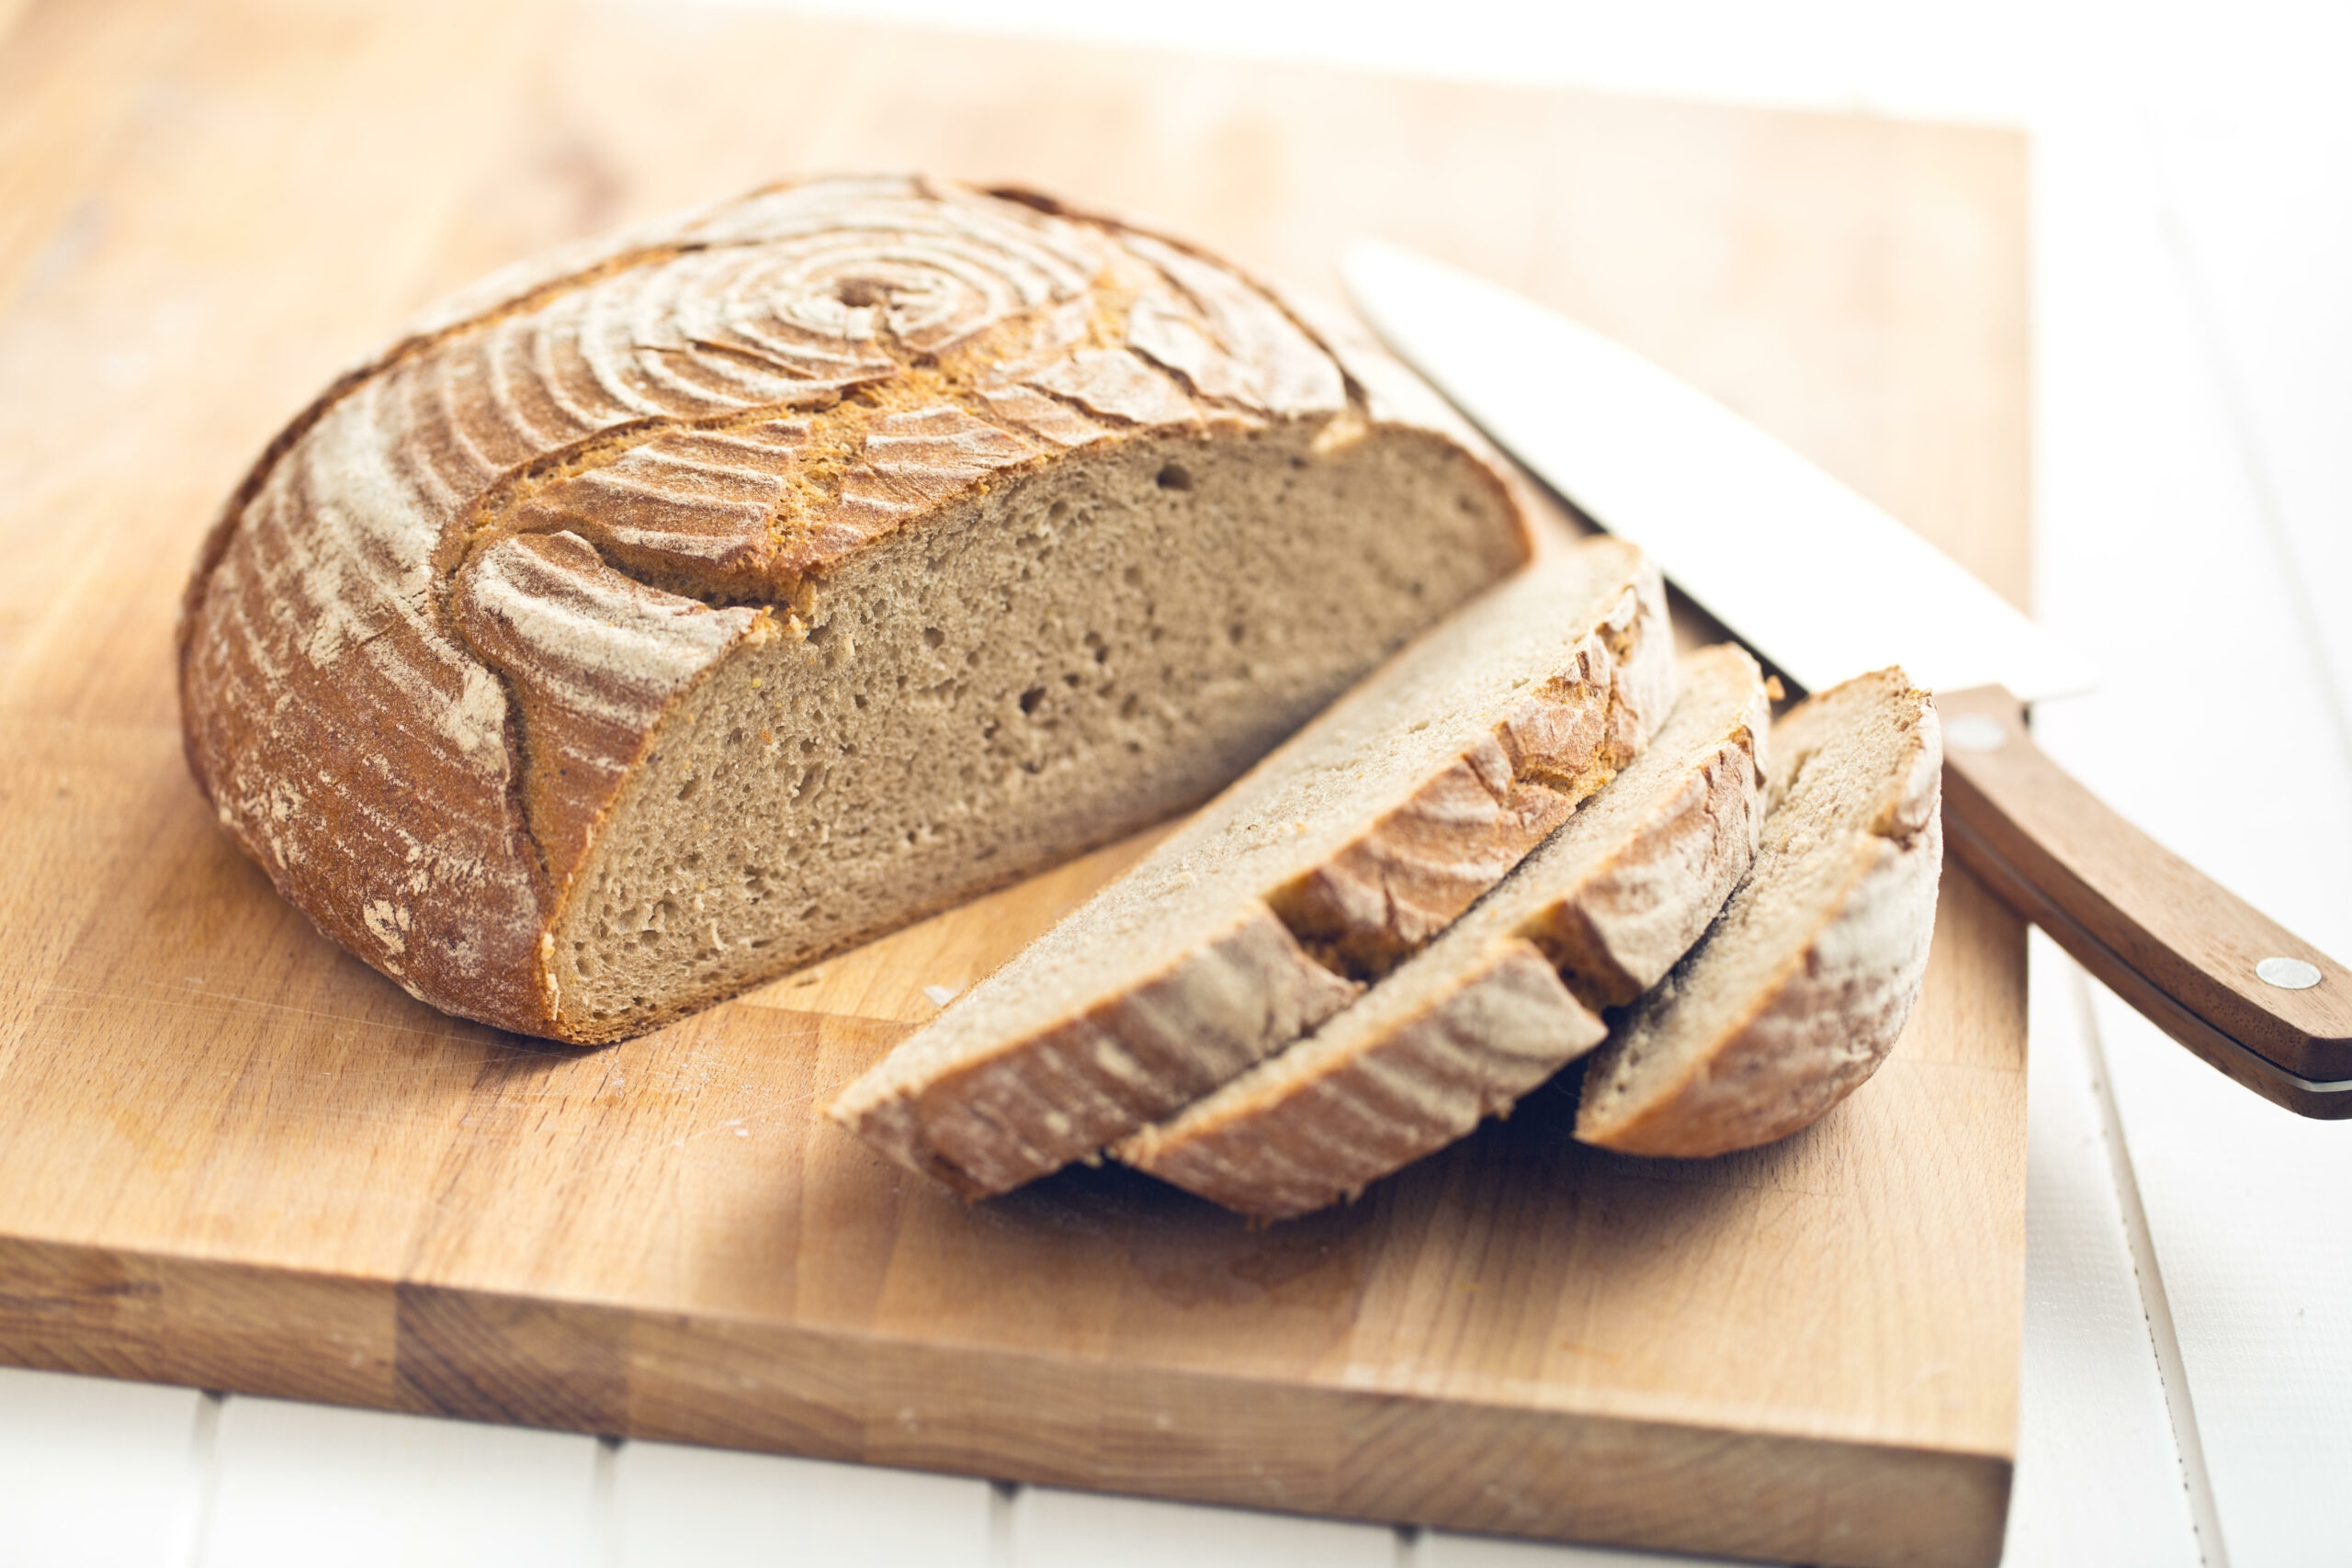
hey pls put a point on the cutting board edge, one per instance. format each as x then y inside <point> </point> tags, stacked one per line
<point>1545,1472</point>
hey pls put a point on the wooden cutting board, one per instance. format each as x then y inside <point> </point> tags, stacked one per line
<point>231,1156</point>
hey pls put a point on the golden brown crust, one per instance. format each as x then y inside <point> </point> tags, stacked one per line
<point>1639,908</point>
<point>1310,1140</point>
<point>705,416</point>
<point>1406,876</point>
<point>593,660</point>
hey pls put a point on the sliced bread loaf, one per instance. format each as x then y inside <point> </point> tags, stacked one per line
<point>1372,828</point>
<point>672,612</point>
<point>1800,987</point>
<point>1509,994</point>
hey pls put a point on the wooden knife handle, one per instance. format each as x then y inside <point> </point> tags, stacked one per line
<point>2212,970</point>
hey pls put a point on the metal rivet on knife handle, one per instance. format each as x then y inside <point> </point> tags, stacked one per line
<point>2288,974</point>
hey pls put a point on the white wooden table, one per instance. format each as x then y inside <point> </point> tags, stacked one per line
<point>2187,1378</point>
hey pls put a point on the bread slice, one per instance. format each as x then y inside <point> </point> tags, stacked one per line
<point>1355,843</point>
<point>665,615</point>
<point>1800,987</point>
<point>1509,994</point>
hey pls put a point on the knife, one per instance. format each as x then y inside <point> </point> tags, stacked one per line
<point>1825,586</point>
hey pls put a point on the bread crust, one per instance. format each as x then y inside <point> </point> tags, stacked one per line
<point>1470,1053</point>
<point>449,610</point>
<point>1639,908</point>
<point>1837,1001</point>
<point>992,1124</point>
<point>1409,874</point>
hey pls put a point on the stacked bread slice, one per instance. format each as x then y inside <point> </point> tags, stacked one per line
<point>1511,993</point>
<point>1348,848</point>
<point>1422,906</point>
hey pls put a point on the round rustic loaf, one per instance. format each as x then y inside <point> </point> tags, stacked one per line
<point>663,616</point>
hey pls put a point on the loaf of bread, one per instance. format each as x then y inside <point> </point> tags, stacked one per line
<point>660,617</point>
<point>1354,845</point>
<point>1511,992</point>
<point>1801,985</point>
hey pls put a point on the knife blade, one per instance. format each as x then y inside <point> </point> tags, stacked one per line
<point>1755,533</point>
<point>1827,586</point>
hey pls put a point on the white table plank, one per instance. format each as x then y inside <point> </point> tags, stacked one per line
<point>2099,1476</point>
<point>299,1485</point>
<point>2153,555</point>
<point>2247,1207</point>
<point>2251,125</point>
<point>1054,1528</point>
<point>675,1506</point>
<point>2215,731</point>
<point>96,1473</point>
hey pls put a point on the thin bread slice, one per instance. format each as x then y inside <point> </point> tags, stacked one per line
<point>1366,834</point>
<point>1800,988</point>
<point>1509,994</point>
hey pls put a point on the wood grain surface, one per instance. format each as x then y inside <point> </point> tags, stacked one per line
<point>234,1157</point>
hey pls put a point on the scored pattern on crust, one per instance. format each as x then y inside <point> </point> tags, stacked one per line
<point>701,418</point>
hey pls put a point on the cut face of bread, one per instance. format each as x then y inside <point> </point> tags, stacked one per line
<point>668,614</point>
<point>1507,996</point>
<point>1802,983</point>
<point>1374,827</point>
<point>1037,671</point>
